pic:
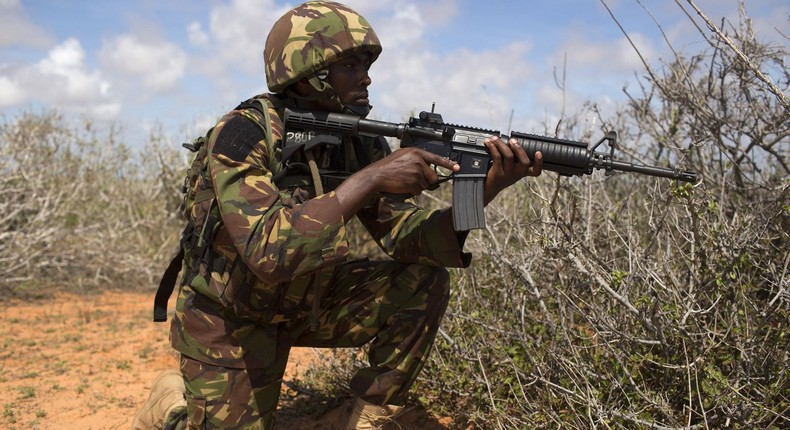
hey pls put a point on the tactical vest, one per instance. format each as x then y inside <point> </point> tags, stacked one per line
<point>315,165</point>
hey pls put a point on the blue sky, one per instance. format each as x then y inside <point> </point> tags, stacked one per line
<point>176,66</point>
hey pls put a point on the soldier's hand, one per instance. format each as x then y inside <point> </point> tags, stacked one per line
<point>406,171</point>
<point>409,171</point>
<point>510,164</point>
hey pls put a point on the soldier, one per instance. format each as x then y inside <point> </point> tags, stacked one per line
<point>266,248</point>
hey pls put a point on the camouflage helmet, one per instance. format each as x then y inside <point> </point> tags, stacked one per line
<point>312,36</point>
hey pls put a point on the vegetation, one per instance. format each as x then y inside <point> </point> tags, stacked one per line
<point>80,211</point>
<point>606,301</point>
<point>633,302</point>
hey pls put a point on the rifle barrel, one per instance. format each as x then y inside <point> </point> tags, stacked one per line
<point>680,175</point>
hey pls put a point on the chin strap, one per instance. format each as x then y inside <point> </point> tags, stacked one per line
<point>322,90</point>
<point>360,111</point>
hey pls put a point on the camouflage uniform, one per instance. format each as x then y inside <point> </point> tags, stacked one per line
<point>267,265</point>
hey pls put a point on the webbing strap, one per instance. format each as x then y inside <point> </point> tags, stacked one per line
<point>319,187</point>
<point>202,196</point>
<point>166,286</point>
<point>267,121</point>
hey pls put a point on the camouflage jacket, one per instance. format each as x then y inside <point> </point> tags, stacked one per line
<point>272,247</point>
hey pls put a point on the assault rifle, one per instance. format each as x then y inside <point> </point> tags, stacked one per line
<point>464,145</point>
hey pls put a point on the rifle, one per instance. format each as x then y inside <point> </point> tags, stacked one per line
<point>464,145</point>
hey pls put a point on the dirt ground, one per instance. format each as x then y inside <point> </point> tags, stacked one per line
<point>87,362</point>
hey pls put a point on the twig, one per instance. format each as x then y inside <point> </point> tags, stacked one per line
<point>760,75</point>
<point>604,285</point>
<point>782,283</point>
<point>488,388</point>
<point>652,425</point>
<point>299,390</point>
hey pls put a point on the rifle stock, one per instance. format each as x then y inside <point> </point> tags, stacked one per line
<point>464,145</point>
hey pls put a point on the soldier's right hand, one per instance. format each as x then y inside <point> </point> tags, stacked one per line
<point>408,171</point>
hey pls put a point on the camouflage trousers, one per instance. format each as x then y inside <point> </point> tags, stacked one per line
<point>395,307</point>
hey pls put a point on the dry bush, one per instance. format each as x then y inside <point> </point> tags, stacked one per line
<point>79,211</point>
<point>634,302</point>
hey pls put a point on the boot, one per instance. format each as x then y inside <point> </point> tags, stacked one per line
<point>166,395</point>
<point>367,416</point>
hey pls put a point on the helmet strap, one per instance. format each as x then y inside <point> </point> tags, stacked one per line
<point>321,89</point>
<point>360,111</point>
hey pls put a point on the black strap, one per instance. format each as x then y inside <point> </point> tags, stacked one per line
<point>166,286</point>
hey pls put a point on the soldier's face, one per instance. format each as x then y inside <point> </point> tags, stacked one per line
<point>349,77</point>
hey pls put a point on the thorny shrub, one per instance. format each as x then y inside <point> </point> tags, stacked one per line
<point>633,302</point>
<point>79,211</point>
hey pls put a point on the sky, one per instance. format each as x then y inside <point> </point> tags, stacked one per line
<point>174,67</point>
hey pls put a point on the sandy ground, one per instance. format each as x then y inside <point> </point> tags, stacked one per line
<point>87,362</point>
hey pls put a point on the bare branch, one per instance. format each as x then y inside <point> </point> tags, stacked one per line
<point>760,75</point>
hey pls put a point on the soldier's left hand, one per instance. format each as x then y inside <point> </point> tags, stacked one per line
<point>510,163</point>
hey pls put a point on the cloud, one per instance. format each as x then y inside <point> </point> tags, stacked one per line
<point>17,28</point>
<point>391,29</point>
<point>157,65</point>
<point>65,77</point>
<point>11,93</point>
<point>197,36</point>
<point>594,70</point>
<point>238,32</point>
<point>59,80</point>
<point>436,12</point>
<point>605,56</point>
<point>233,39</point>
<point>473,87</point>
